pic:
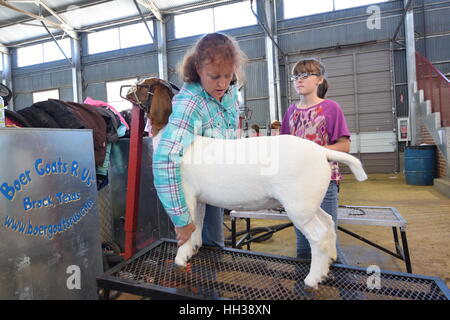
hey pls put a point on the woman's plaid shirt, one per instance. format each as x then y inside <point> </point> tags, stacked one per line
<point>194,112</point>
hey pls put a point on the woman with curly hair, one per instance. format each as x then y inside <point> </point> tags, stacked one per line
<point>206,105</point>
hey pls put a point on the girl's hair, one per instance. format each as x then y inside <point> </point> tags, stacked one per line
<point>210,48</point>
<point>312,65</point>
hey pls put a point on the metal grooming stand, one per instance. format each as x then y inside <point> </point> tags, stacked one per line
<point>359,215</point>
<point>134,170</point>
<point>216,273</point>
<point>134,179</point>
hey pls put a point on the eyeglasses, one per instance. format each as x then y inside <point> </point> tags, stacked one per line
<point>302,76</point>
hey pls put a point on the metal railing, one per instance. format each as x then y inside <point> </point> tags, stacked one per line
<point>435,86</point>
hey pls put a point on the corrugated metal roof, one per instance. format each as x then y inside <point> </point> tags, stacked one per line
<point>8,16</point>
<point>167,5</point>
<point>16,28</point>
<point>100,13</point>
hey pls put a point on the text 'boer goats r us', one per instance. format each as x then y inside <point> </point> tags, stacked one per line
<point>253,174</point>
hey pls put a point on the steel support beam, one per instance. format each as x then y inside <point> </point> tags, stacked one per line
<point>270,57</point>
<point>61,25</point>
<point>161,39</point>
<point>150,32</point>
<point>277,61</point>
<point>77,79</point>
<point>411,71</point>
<point>3,49</point>
<point>6,79</point>
<point>150,5</point>
<point>162,50</point>
<point>56,42</point>
<point>407,6</point>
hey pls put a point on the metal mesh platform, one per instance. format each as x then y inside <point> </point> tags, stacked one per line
<point>377,216</point>
<point>215,273</point>
<point>361,215</point>
<point>357,215</point>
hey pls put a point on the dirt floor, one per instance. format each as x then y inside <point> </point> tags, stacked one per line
<point>426,211</point>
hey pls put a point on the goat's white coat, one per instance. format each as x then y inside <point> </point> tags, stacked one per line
<point>264,173</point>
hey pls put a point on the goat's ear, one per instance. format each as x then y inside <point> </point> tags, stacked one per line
<point>161,105</point>
<point>233,80</point>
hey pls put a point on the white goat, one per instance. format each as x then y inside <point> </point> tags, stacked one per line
<point>264,173</point>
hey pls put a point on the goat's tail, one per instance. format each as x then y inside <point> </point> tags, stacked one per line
<point>353,163</point>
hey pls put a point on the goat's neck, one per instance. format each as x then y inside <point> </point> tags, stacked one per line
<point>157,138</point>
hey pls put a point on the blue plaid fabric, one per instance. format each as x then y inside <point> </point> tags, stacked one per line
<point>194,112</point>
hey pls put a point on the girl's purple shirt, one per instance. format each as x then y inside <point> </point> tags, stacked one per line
<point>323,123</point>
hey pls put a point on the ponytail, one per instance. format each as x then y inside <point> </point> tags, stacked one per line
<point>322,89</point>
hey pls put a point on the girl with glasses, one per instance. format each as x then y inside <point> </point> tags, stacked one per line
<point>322,121</point>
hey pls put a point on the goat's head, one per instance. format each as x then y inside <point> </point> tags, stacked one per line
<point>154,96</point>
<point>275,125</point>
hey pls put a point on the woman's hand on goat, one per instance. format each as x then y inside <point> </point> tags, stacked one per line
<point>184,233</point>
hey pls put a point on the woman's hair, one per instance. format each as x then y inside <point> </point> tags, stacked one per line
<point>210,48</point>
<point>312,65</point>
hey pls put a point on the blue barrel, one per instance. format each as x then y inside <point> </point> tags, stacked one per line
<point>420,165</point>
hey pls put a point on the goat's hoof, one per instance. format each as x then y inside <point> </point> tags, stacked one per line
<point>310,293</point>
<point>182,269</point>
<point>179,266</point>
<point>305,291</point>
<point>313,284</point>
<point>311,288</point>
<point>180,262</point>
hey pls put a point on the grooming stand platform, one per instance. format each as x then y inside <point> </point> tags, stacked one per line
<point>359,215</point>
<point>215,273</point>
